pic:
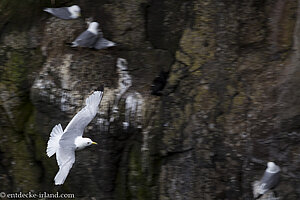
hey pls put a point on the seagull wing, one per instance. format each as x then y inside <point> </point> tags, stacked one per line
<point>103,43</point>
<point>268,181</point>
<point>65,157</point>
<point>62,13</point>
<point>86,39</point>
<point>81,119</point>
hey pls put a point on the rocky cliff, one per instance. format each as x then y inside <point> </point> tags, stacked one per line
<point>230,104</point>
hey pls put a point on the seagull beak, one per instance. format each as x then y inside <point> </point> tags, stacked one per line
<point>94,143</point>
<point>79,14</point>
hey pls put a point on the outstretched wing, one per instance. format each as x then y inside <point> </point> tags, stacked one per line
<point>62,13</point>
<point>82,118</point>
<point>85,39</point>
<point>65,157</point>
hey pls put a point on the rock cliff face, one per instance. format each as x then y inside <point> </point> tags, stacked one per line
<point>230,104</point>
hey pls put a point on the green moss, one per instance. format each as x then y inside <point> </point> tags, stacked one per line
<point>221,119</point>
<point>188,109</point>
<point>137,179</point>
<point>230,90</point>
<point>23,169</point>
<point>25,172</point>
<point>183,58</point>
<point>23,146</point>
<point>38,144</point>
<point>205,99</point>
<point>135,186</point>
<point>173,79</point>
<point>239,100</point>
<point>14,71</point>
<point>120,186</point>
<point>287,24</point>
<point>23,114</point>
<point>192,41</point>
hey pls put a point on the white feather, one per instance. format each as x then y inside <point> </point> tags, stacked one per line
<point>94,99</point>
<point>111,44</point>
<point>93,27</point>
<point>49,10</point>
<point>53,142</point>
<point>65,162</point>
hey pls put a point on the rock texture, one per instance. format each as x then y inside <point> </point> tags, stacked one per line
<point>230,104</point>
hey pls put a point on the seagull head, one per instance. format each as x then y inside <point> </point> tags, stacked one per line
<point>75,10</point>
<point>272,167</point>
<point>88,141</point>
<point>93,27</point>
<point>81,142</point>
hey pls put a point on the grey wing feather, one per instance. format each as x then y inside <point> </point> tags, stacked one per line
<point>62,13</point>
<point>103,43</point>
<point>270,180</point>
<point>86,39</point>
<point>81,119</point>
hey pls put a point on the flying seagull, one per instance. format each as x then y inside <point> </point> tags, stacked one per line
<point>71,12</point>
<point>65,142</point>
<point>92,38</point>
<point>269,180</point>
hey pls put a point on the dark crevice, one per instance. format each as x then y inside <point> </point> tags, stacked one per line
<point>146,8</point>
<point>6,172</point>
<point>175,153</point>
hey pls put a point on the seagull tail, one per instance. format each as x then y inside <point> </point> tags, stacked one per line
<point>53,143</point>
<point>74,44</point>
<point>48,10</point>
<point>111,44</point>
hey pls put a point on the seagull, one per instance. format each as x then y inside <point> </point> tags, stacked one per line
<point>65,142</point>
<point>269,180</point>
<point>92,38</point>
<point>72,12</point>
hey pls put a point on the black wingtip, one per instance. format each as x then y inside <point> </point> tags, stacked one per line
<point>100,88</point>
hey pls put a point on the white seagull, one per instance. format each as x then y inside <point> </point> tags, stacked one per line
<point>72,12</point>
<point>64,143</point>
<point>92,38</point>
<point>270,179</point>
